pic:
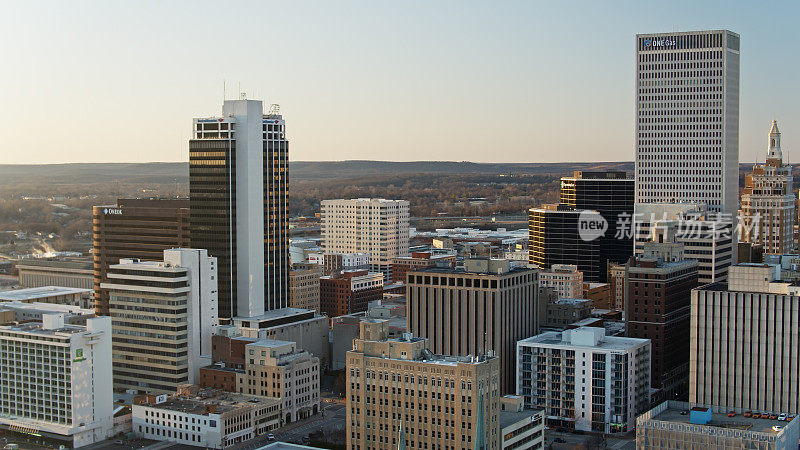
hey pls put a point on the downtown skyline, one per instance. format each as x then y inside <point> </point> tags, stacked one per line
<point>544,89</point>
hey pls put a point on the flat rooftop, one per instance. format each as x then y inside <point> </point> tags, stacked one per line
<point>276,314</point>
<point>36,328</point>
<point>284,446</point>
<point>572,301</point>
<point>40,292</point>
<point>556,338</point>
<point>271,343</point>
<point>721,420</point>
<point>461,271</point>
<point>223,402</point>
<point>46,307</point>
<point>507,418</point>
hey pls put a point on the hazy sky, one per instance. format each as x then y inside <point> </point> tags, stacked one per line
<point>501,81</point>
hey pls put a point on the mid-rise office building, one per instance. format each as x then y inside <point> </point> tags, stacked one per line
<point>278,369</point>
<point>687,118</point>
<point>35,311</point>
<point>337,262</point>
<point>565,280</point>
<point>616,278</point>
<point>486,306</point>
<point>585,380</point>
<point>372,225</point>
<point>55,380</point>
<point>266,367</point>
<point>555,238</point>
<point>420,260</point>
<point>56,295</point>
<point>304,286</point>
<point>397,389</point>
<point>610,193</point>
<point>768,201</point>
<point>305,327</point>
<point>349,291</point>
<point>238,191</point>
<point>708,238</point>
<point>676,424</point>
<point>520,428</point>
<point>658,289</point>
<point>743,352</point>
<point>164,315</point>
<point>205,418</point>
<point>42,272</point>
<point>135,228</point>
<point>560,312</point>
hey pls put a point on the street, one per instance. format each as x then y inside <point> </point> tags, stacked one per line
<point>334,419</point>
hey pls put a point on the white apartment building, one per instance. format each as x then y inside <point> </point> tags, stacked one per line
<point>768,202</point>
<point>164,314</point>
<point>565,280</point>
<point>687,118</point>
<point>278,369</point>
<point>55,380</point>
<point>585,380</point>
<point>744,354</point>
<point>371,225</point>
<point>205,417</point>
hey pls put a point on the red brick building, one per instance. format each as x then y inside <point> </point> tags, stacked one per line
<point>228,354</point>
<point>659,286</point>
<point>349,292</point>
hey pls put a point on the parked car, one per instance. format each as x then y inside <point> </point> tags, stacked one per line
<point>559,440</point>
<point>748,414</point>
<point>270,437</point>
<point>782,417</point>
<point>777,428</point>
<point>731,413</point>
<point>773,416</point>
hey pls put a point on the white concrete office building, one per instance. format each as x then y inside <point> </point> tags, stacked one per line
<point>372,225</point>
<point>708,238</point>
<point>585,380</point>
<point>687,118</point>
<point>743,352</point>
<point>164,314</point>
<point>55,380</point>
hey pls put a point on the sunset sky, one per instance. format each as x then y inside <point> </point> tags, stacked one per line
<point>486,81</point>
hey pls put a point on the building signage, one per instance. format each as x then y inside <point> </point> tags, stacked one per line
<point>161,399</point>
<point>208,120</point>
<point>114,211</point>
<point>79,355</point>
<point>660,43</point>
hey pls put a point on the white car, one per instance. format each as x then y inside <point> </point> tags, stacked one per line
<point>782,417</point>
<point>777,428</point>
<point>270,437</point>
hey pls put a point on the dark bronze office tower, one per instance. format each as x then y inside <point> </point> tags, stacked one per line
<point>135,228</point>
<point>610,193</point>
<point>238,189</point>
<point>554,237</point>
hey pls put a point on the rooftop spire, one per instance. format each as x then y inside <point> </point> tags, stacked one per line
<point>774,149</point>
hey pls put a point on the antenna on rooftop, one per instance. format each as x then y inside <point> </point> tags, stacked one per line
<point>224,97</point>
